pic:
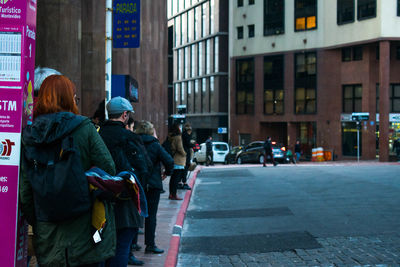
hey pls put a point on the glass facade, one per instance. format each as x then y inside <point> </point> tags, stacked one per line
<point>196,45</point>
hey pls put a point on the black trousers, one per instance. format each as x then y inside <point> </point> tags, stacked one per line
<point>150,223</point>
<point>175,178</point>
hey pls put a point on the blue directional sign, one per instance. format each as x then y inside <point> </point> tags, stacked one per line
<point>126,23</point>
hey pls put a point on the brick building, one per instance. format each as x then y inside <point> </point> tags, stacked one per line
<point>300,68</point>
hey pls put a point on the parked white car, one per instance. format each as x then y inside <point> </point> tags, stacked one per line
<point>220,149</point>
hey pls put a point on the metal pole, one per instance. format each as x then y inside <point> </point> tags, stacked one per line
<point>358,141</point>
<point>108,51</point>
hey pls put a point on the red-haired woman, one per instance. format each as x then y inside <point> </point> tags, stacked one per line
<point>68,242</point>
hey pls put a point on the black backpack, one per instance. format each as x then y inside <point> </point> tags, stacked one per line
<point>59,184</point>
<point>167,146</point>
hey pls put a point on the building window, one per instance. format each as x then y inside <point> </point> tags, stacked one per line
<point>245,86</point>
<point>305,15</point>
<point>239,3</point>
<point>305,83</point>
<point>397,51</point>
<point>352,97</point>
<point>354,53</point>
<point>273,85</point>
<point>345,11</point>
<point>251,30</point>
<point>398,7</point>
<point>251,2</point>
<point>274,17</point>
<point>394,96</point>
<point>239,32</point>
<point>366,9</point>
<point>216,54</point>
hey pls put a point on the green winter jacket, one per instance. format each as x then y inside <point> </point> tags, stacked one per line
<point>70,243</point>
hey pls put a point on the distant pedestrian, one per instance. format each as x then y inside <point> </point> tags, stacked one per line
<point>157,155</point>
<point>209,152</point>
<point>290,156</point>
<point>175,138</point>
<point>268,152</point>
<point>297,150</point>
<point>68,242</point>
<point>396,147</point>
<point>187,146</point>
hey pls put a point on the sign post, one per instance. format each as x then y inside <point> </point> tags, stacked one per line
<point>126,23</point>
<point>359,117</point>
<point>17,63</point>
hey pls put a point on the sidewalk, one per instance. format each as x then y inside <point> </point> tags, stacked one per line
<point>170,213</point>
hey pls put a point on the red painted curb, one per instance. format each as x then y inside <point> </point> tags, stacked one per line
<point>173,250</point>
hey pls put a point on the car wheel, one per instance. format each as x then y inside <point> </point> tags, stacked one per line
<point>226,162</point>
<point>261,159</point>
<point>239,160</point>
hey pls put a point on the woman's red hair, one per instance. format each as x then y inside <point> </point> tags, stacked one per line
<point>56,94</point>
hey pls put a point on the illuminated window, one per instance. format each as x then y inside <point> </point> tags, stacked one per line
<point>305,15</point>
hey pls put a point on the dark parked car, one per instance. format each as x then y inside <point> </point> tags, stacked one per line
<point>232,155</point>
<point>254,153</point>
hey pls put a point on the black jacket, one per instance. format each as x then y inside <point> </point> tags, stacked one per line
<point>267,146</point>
<point>187,146</point>
<point>128,152</point>
<point>157,156</point>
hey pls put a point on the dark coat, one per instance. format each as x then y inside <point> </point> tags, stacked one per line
<point>187,146</point>
<point>268,146</point>
<point>128,152</point>
<point>157,155</point>
<point>54,243</point>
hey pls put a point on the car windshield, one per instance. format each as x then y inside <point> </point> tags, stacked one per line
<point>220,147</point>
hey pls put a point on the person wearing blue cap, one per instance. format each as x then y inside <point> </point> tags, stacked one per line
<point>129,154</point>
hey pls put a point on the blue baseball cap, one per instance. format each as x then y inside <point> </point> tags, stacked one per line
<point>118,105</point>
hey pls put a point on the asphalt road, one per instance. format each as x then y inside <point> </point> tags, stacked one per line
<point>294,216</point>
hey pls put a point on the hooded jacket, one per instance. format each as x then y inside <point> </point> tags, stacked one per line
<point>128,152</point>
<point>69,242</point>
<point>157,155</point>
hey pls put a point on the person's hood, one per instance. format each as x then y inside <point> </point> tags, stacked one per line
<point>51,127</point>
<point>147,139</point>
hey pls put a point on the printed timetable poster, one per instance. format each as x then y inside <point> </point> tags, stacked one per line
<point>126,23</point>
<point>17,62</point>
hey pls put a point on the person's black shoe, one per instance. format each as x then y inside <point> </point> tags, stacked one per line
<point>136,247</point>
<point>275,164</point>
<point>162,191</point>
<point>187,187</point>
<point>179,186</point>
<point>153,249</point>
<point>134,261</point>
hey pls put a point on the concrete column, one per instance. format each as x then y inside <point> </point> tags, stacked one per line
<point>384,78</point>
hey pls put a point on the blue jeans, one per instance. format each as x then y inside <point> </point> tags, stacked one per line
<point>124,240</point>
